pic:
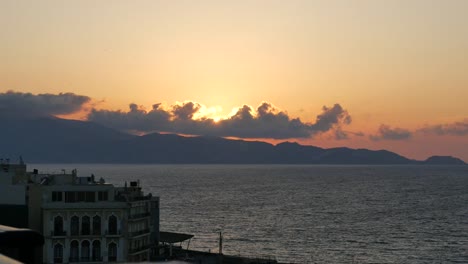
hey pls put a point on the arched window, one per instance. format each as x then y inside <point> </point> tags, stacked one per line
<point>75,225</point>
<point>58,226</point>
<point>74,251</point>
<point>58,253</point>
<point>112,251</point>
<point>85,225</point>
<point>85,251</point>
<point>96,250</point>
<point>112,225</point>
<point>96,225</point>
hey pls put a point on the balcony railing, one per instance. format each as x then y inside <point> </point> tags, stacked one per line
<point>86,233</point>
<point>113,232</point>
<point>135,250</point>
<point>137,216</point>
<point>140,232</point>
<point>58,233</point>
<point>125,197</point>
<point>85,259</point>
<point>96,259</point>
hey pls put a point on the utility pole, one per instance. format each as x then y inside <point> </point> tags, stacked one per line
<point>220,243</point>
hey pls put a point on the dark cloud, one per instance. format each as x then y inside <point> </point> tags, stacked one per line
<point>185,111</point>
<point>387,133</point>
<point>340,134</point>
<point>136,118</point>
<point>454,129</point>
<point>266,121</point>
<point>358,134</point>
<point>30,105</point>
<point>331,116</point>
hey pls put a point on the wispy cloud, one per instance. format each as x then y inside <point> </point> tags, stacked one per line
<point>455,129</point>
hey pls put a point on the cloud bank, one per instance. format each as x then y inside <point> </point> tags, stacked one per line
<point>266,121</point>
<point>387,133</point>
<point>30,105</point>
<point>455,129</point>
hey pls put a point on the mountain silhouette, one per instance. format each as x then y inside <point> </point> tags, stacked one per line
<point>55,140</point>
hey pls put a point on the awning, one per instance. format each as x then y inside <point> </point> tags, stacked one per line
<point>171,237</point>
<point>18,237</point>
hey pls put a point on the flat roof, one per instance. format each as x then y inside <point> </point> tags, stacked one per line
<point>171,237</point>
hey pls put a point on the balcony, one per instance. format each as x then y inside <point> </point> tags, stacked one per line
<point>140,232</point>
<point>96,259</point>
<point>137,250</point>
<point>58,233</point>
<point>139,216</point>
<point>85,259</point>
<point>113,233</point>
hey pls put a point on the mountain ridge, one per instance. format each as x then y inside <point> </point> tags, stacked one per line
<point>55,140</point>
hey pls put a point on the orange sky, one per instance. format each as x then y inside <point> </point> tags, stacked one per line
<point>398,63</point>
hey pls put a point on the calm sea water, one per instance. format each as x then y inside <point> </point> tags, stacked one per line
<point>309,214</point>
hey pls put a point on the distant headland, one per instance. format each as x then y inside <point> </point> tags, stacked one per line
<point>54,140</point>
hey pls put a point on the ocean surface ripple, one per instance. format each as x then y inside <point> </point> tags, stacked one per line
<point>309,214</point>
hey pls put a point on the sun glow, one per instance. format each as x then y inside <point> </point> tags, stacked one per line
<point>212,112</point>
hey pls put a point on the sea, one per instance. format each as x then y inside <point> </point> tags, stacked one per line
<point>308,213</point>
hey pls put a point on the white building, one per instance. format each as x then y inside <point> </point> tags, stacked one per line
<point>84,220</point>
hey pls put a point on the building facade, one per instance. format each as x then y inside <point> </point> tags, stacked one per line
<point>84,220</point>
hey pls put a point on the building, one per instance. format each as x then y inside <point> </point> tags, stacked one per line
<point>13,201</point>
<point>84,220</point>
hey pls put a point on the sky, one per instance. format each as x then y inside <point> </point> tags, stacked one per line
<point>362,74</point>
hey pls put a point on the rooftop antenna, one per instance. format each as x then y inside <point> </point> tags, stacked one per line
<point>21,161</point>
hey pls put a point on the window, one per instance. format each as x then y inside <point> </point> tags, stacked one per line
<point>74,251</point>
<point>85,251</point>
<point>96,251</point>
<point>75,225</point>
<point>96,225</point>
<point>58,226</point>
<point>85,225</point>
<point>58,253</point>
<point>112,225</point>
<point>56,196</point>
<point>76,197</point>
<point>70,197</point>
<point>81,196</point>
<point>90,197</point>
<point>102,196</point>
<point>112,249</point>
